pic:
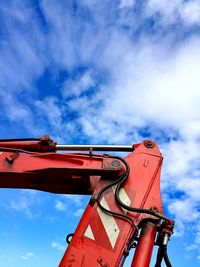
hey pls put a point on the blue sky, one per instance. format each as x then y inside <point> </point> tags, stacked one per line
<point>113,72</point>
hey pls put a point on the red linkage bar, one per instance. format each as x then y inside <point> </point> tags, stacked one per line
<point>54,172</point>
<point>44,144</point>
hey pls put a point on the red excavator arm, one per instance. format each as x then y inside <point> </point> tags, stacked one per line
<point>125,209</point>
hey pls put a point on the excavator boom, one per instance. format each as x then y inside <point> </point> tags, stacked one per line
<point>125,210</point>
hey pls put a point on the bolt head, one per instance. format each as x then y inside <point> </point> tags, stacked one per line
<point>115,163</point>
<point>149,144</point>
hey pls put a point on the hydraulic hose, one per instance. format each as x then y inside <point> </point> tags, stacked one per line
<point>126,217</point>
<point>132,209</point>
<point>162,254</point>
<point>19,139</point>
<point>119,182</point>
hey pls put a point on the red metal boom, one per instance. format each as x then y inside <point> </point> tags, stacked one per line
<point>125,197</point>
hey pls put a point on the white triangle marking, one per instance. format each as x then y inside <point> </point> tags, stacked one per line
<point>123,196</point>
<point>109,223</point>
<point>89,233</point>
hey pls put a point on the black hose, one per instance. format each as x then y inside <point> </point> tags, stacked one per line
<point>166,258</point>
<point>132,209</point>
<point>119,182</point>
<point>162,251</point>
<point>159,257</point>
<point>162,254</point>
<point>69,237</point>
<point>108,187</point>
<point>19,139</point>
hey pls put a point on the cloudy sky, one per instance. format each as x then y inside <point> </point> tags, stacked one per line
<point>112,72</point>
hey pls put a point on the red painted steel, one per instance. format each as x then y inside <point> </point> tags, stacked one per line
<point>143,189</point>
<point>57,173</point>
<point>100,239</point>
<point>44,144</point>
<point>144,249</point>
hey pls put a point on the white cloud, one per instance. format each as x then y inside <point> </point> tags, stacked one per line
<point>78,86</point>
<point>21,57</point>
<point>50,109</point>
<point>58,246</point>
<point>180,158</point>
<point>78,212</point>
<point>59,205</point>
<point>175,11</point>
<point>27,256</point>
<point>167,9</point>
<point>26,204</point>
<point>21,112</point>
<point>184,210</point>
<point>191,187</point>
<point>126,3</point>
<point>148,87</point>
<point>75,199</point>
<point>61,46</point>
<point>196,243</point>
<point>185,213</point>
<point>191,12</point>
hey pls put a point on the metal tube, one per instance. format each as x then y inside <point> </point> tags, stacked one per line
<point>144,248</point>
<point>165,239</point>
<point>121,148</point>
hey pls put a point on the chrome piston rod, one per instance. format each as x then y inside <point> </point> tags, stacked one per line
<point>120,148</point>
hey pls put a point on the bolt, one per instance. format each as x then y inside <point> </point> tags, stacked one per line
<point>115,163</point>
<point>149,144</point>
<point>155,209</point>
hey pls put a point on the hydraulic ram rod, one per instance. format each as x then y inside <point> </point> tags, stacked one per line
<point>95,148</point>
